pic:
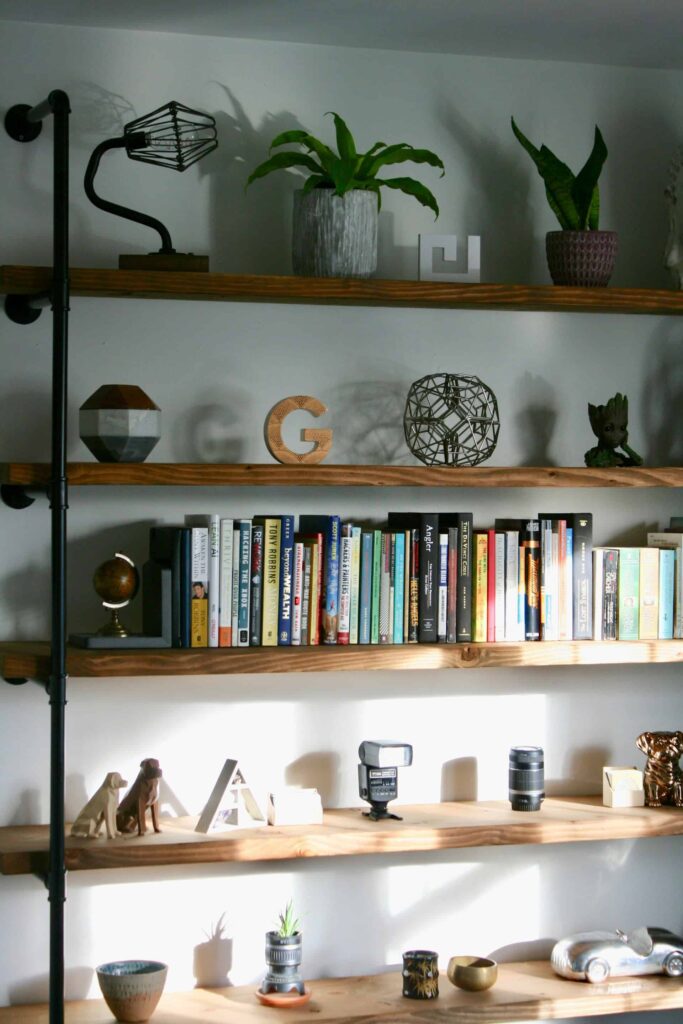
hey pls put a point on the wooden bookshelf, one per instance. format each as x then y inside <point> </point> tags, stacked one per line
<point>202,474</point>
<point>139,284</point>
<point>31,660</point>
<point>524,991</point>
<point>346,832</point>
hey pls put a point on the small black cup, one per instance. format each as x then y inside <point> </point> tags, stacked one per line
<point>420,974</point>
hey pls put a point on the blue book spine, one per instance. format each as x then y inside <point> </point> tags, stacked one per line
<point>330,527</point>
<point>399,572</point>
<point>365,588</point>
<point>284,631</point>
<point>667,566</point>
<point>244,583</point>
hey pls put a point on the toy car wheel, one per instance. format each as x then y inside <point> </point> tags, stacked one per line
<point>673,965</point>
<point>597,970</point>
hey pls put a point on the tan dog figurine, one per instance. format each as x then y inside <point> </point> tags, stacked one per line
<point>143,794</point>
<point>100,810</point>
<point>663,777</point>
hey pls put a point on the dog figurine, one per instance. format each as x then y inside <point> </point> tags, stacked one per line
<point>663,776</point>
<point>143,794</point>
<point>100,810</point>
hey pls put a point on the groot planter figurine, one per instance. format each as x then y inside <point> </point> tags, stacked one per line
<point>610,425</point>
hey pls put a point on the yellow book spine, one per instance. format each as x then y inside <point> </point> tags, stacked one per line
<point>200,622</point>
<point>480,604</point>
<point>271,581</point>
<point>649,594</point>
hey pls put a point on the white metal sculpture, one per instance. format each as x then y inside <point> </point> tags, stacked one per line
<point>448,244</point>
<point>673,251</point>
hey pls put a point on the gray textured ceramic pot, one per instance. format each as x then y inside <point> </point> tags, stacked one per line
<point>334,236</point>
<point>581,258</point>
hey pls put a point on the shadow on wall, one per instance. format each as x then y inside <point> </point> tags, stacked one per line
<point>367,418</point>
<point>662,398</point>
<point>212,961</point>
<point>320,770</point>
<point>535,949</point>
<point>499,199</point>
<point>209,431</point>
<point>535,421</point>
<point>28,808</point>
<point>459,779</point>
<point>583,776</point>
<point>77,981</point>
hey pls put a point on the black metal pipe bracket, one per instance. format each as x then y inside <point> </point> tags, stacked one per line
<point>25,309</point>
<point>17,496</point>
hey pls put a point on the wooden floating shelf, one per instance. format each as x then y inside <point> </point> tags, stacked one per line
<point>139,284</point>
<point>31,660</point>
<point>424,828</point>
<point>170,474</point>
<point>523,991</point>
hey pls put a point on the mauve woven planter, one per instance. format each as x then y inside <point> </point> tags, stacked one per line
<point>581,258</point>
<point>334,236</point>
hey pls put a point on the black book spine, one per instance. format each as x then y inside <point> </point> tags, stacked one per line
<point>256,584</point>
<point>429,576</point>
<point>463,611</point>
<point>165,547</point>
<point>610,570</point>
<point>531,549</point>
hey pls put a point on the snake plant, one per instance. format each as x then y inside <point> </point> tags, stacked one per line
<point>574,199</point>
<point>347,168</point>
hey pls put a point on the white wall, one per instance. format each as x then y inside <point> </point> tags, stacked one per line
<point>216,369</point>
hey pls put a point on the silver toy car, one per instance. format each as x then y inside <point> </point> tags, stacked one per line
<point>596,956</point>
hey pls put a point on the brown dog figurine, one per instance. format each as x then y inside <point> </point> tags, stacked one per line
<point>663,776</point>
<point>143,794</point>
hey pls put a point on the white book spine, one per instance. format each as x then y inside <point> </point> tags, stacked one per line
<point>298,593</point>
<point>225,584</point>
<point>499,623</point>
<point>567,628</point>
<point>511,584</point>
<point>212,524</point>
<point>555,583</point>
<point>597,593</point>
<point>675,541</point>
<point>355,585</point>
<point>235,584</point>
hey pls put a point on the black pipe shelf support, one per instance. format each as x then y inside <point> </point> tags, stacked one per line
<point>23,123</point>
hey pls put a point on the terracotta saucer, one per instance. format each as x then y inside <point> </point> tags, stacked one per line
<point>286,1000</point>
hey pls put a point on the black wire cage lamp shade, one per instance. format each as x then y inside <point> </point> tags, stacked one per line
<point>172,136</point>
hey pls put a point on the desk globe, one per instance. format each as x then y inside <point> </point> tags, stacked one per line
<point>116,582</point>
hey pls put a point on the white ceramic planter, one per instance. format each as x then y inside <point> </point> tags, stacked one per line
<point>334,236</point>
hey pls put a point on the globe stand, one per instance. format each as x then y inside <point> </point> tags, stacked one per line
<point>114,628</point>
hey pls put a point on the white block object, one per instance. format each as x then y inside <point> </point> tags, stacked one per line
<point>293,805</point>
<point>449,246</point>
<point>622,787</point>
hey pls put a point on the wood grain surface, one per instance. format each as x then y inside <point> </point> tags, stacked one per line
<point>523,991</point>
<point>140,284</point>
<point>32,660</point>
<point>169,474</point>
<point>346,832</point>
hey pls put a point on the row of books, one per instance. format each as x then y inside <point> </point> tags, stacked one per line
<point>420,578</point>
<point>637,591</point>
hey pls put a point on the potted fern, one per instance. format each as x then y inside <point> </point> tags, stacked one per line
<point>579,254</point>
<point>283,956</point>
<point>336,210</point>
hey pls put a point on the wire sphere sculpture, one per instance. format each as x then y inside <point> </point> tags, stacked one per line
<point>451,420</point>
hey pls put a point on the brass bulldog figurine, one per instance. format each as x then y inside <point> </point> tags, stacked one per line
<point>663,776</point>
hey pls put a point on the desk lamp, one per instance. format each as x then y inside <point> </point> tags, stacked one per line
<point>172,136</point>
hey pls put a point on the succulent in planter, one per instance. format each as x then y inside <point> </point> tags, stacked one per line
<point>579,254</point>
<point>335,212</point>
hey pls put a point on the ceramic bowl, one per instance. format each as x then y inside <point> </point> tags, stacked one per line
<point>132,988</point>
<point>473,973</point>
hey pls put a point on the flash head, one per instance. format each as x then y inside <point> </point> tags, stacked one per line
<point>378,774</point>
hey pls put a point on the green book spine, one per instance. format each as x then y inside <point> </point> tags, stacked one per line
<point>376,567</point>
<point>629,593</point>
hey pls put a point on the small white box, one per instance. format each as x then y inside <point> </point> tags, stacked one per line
<point>622,787</point>
<point>293,805</point>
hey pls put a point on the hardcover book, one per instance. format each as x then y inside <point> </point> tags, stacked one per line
<point>298,586</point>
<point>343,633</point>
<point>667,573</point>
<point>673,540</point>
<point>200,586</point>
<point>442,604</point>
<point>629,594</point>
<point>480,581</point>
<point>376,585</point>
<point>225,584</point>
<point>272,529</point>
<point>428,525</point>
<point>452,586</point>
<point>355,584</point>
<point>365,603</point>
<point>286,580</point>
<point>399,583</point>
<point>169,546</point>
<point>649,593</point>
<point>256,595</point>
<point>244,583</point>
<point>212,524</point>
<point>581,525</point>
<point>531,553</point>
<point>329,527</point>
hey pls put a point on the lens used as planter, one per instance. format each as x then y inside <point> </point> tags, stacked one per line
<point>283,958</point>
<point>334,236</point>
<point>581,258</point>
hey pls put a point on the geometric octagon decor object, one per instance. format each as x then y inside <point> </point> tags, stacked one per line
<point>451,420</point>
<point>120,423</point>
<point>446,247</point>
<point>272,431</point>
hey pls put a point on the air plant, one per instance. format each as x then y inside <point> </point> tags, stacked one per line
<point>289,924</point>
<point>348,169</point>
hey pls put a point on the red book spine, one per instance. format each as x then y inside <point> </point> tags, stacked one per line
<point>491,588</point>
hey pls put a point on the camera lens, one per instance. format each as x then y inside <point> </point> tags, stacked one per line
<point>525,778</point>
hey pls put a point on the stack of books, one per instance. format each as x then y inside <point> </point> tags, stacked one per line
<point>417,578</point>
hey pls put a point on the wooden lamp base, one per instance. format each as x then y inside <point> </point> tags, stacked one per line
<point>172,261</point>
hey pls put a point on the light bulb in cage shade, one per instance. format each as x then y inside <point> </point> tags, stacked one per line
<point>378,774</point>
<point>172,136</point>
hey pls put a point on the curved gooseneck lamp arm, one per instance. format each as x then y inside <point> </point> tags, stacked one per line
<point>136,140</point>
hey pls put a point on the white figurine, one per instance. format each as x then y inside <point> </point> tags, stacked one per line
<point>448,244</point>
<point>100,810</point>
<point>673,251</point>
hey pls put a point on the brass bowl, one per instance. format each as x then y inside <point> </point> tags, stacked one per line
<point>473,973</point>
